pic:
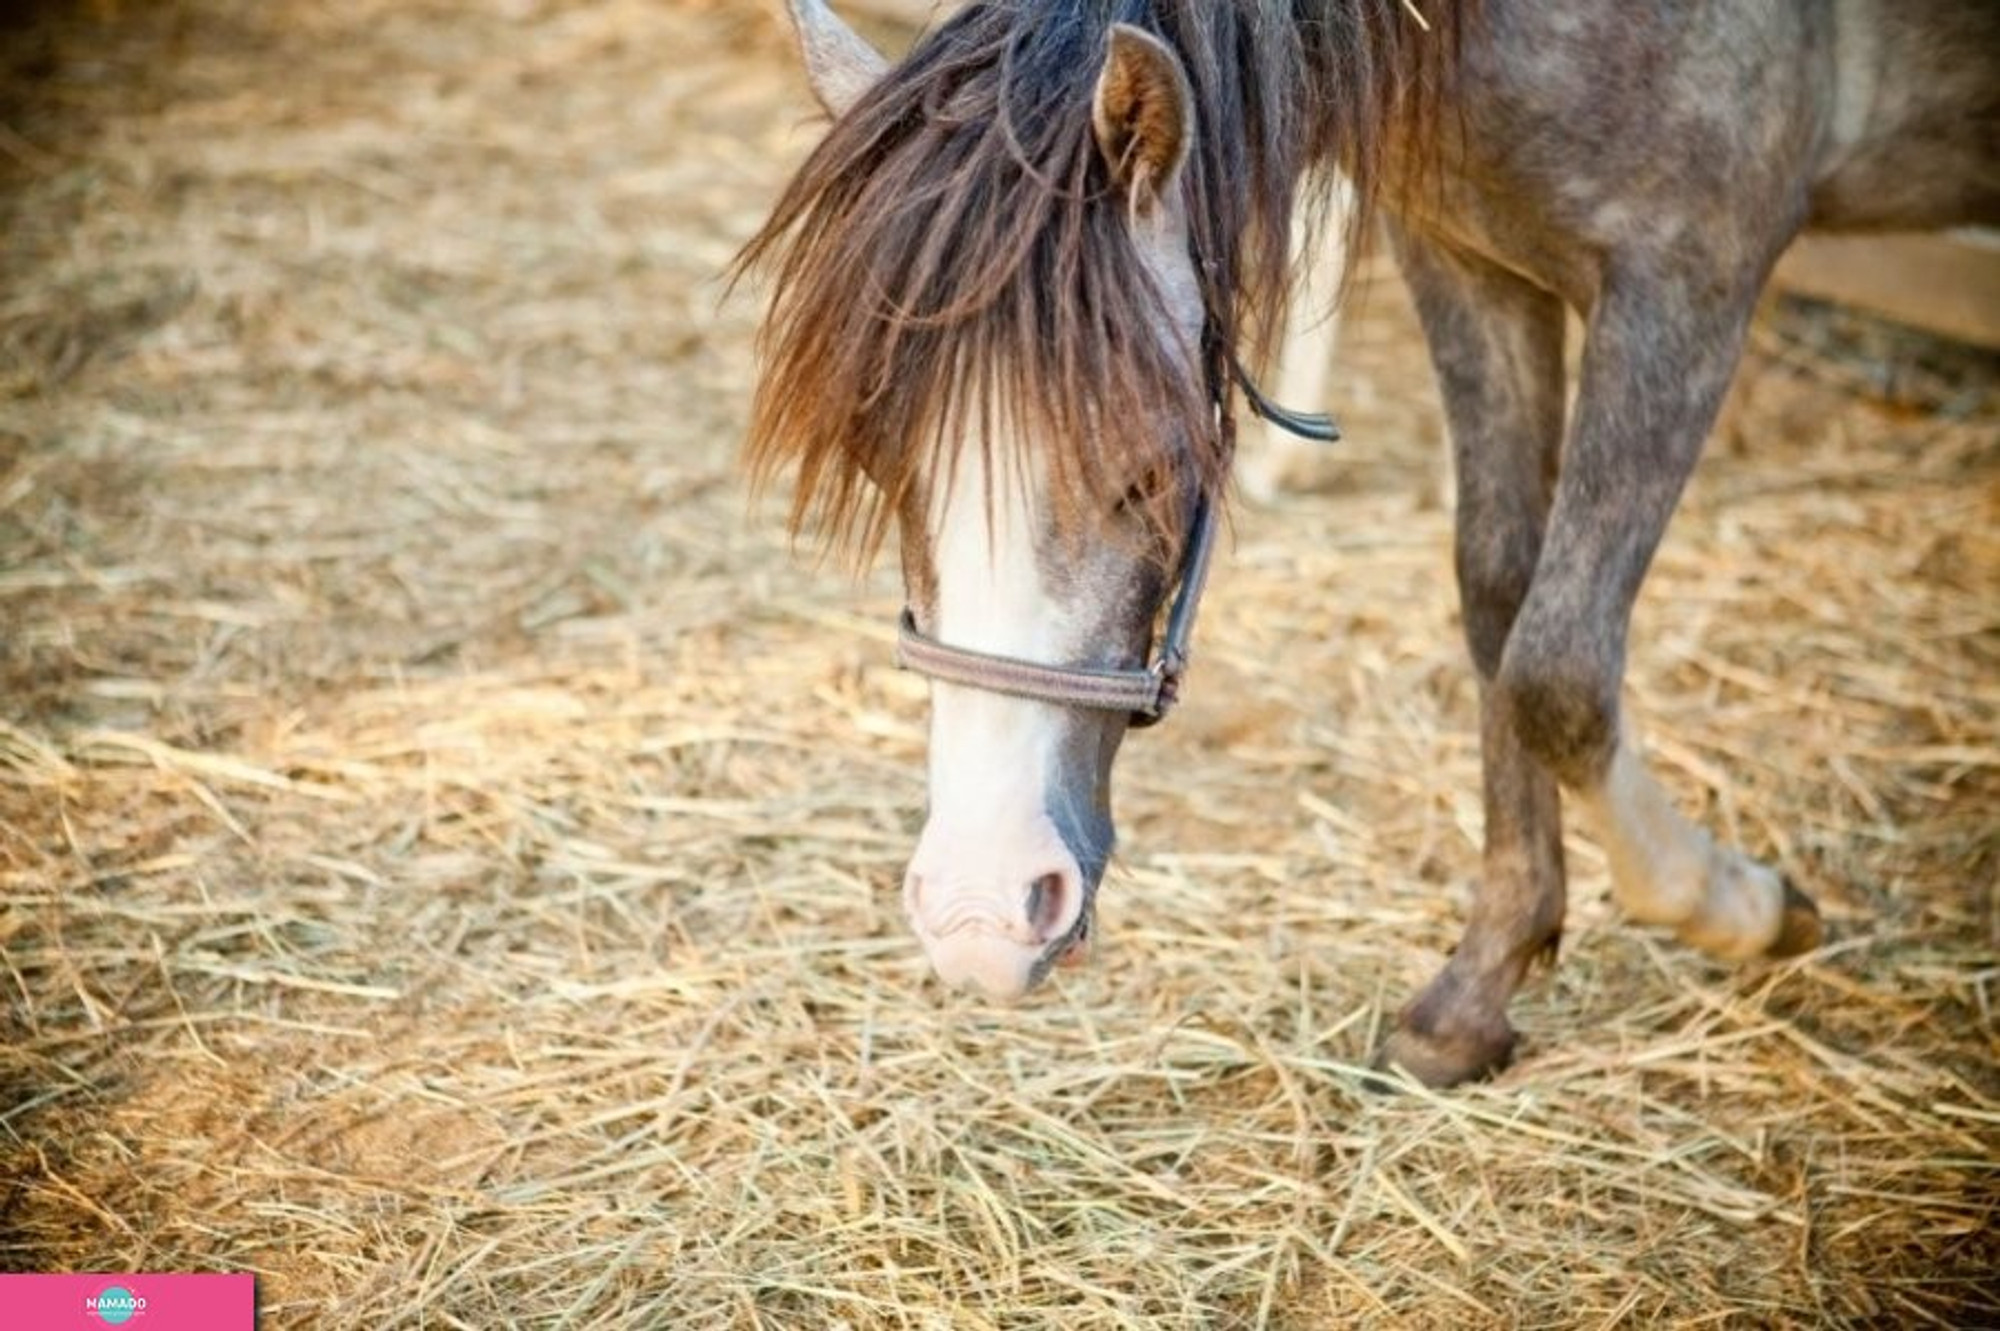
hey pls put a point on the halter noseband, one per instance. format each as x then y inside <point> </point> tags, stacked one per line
<point>1146,694</point>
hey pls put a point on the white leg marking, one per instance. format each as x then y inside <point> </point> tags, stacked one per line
<point>1666,870</point>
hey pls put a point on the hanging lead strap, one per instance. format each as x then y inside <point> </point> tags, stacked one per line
<point>1172,663</point>
<point>1314,425</point>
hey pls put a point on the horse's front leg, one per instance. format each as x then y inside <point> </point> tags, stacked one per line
<point>1657,362</point>
<point>1497,343</point>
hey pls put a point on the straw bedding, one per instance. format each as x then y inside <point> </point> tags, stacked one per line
<point>449,845</point>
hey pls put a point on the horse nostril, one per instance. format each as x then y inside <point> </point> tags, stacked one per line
<point>1048,903</point>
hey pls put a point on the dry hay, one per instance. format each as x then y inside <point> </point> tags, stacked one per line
<point>449,850</point>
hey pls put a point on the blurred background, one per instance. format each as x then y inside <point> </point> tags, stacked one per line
<point>449,840</point>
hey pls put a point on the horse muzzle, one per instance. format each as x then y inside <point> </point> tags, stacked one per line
<point>998,924</point>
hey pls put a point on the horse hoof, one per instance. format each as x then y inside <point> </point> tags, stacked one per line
<point>1441,1061</point>
<point>1800,929</point>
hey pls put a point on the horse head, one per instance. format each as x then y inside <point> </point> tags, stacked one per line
<point>989,273</point>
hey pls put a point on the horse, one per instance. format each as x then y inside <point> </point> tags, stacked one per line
<point>1013,287</point>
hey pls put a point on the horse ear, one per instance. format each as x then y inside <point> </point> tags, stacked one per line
<point>840,64</point>
<point>1143,114</point>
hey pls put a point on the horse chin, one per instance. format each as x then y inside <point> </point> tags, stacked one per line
<point>1000,968</point>
<point>988,964</point>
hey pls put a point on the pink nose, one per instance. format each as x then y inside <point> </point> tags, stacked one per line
<point>992,935</point>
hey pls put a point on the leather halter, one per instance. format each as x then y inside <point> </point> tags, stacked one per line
<point>1145,694</point>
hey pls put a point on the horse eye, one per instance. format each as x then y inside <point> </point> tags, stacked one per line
<point>1144,492</point>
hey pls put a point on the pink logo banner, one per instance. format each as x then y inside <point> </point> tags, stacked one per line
<point>141,1302</point>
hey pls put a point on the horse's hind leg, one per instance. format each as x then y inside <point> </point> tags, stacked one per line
<point>1660,351</point>
<point>1497,342</point>
<point>1665,870</point>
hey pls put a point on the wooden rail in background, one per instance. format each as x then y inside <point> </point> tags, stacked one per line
<point>1947,283</point>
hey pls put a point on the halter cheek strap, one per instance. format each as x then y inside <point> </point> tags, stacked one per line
<point>1145,695</point>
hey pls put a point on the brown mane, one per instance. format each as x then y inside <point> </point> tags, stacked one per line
<point>952,251</point>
